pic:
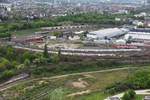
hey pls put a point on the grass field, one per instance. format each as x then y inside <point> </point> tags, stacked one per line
<point>71,84</point>
<point>101,96</point>
<point>25,32</point>
<point>139,97</point>
<point>93,96</point>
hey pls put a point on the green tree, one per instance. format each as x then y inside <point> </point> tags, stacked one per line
<point>129,95</point>
<point>55,58</point>
<point>140,79</point>
<point>57,34</point>
<point>132,93</point>
<point>5,64</point>
<point>130,39</point>
<point>7,74</point>
<point>40,59</point>
<point>27,62</point>
<point>126,96</point>
<point>45,53</point>
<point>21,66</point>
<point>27,55</point>
<point>10,53</point>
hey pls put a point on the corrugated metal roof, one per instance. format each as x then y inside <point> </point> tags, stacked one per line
<point>110,32</point>
<point>138,36</point>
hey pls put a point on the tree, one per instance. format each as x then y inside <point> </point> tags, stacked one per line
<point>129,40</point>
<point>21,66</point>
<point>45,53</point>
<point>85,33</point>
<point>40,59</point>
<point>129,95</point>
<point>140,79</point>
<point>27,55</point>
<point>9,37</point>
<point>10,53</point>
<point>59,52</point>
<point>27,62</point>
<point>55,58</point>
<point>15,64</point>
<point>132,93</point>
<point>7,74</point>
<point>57,34</point>
<point>4,64</point>
<point>126,96</point>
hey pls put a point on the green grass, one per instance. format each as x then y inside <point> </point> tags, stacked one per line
<point>25,32</point>
<point>139,97</point>
<point>68,68</point>
<point>97,81</point>
<point>93,96</point>
<point>101,96</point>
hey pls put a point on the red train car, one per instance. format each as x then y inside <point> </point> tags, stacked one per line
<point>35,40</point>
<point>125,46</point>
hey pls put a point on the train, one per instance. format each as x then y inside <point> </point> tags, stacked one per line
<point>125,46</point>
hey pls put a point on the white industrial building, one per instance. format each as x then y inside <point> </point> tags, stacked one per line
<point>138,36</point>
<point>5,5</point>
<point>106,33</point>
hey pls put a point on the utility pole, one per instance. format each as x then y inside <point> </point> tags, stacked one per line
<point>145,3</point>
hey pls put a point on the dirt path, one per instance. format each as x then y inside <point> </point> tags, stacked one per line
<point>79,93</point>
<point>56,77</point>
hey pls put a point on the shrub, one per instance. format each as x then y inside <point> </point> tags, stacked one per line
<point>129,95</point>
<point>7,74</point>
<point>126,96</point>
<point>132,93</point>
<point>55,58</point>
<point>4,64</point>
<point>21,66</point>
<point>138,80</point>
<point>27,62</point>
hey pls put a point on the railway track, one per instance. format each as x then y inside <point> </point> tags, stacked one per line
<point>86,52</point>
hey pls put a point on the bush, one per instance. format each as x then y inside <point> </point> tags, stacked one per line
<point>4,35</point>
<point>21,66</point>
<point>126,96</point>
<point>27,62</point>
<point>138,80</point>
<point>132,93</point>
<point>129,95</point>
<point>4,64</point>
<point>55,58</point>
<point>7,74</point>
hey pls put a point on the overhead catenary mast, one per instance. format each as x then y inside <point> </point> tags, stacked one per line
<point>148,2</point>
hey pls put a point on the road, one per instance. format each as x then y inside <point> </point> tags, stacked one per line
<point>8,86</point>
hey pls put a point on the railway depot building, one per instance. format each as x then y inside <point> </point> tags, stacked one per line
<point>106,34</point>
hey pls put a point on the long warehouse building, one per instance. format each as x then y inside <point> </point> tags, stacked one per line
<point>138,36</point>
<point>106,33</point>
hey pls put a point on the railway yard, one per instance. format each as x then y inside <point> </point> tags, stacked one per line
<point>89,41</point>
<point>74,49</point>
<point>126,51</point>
<point>84,52</point>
